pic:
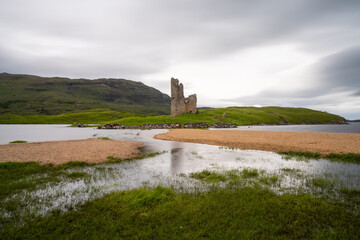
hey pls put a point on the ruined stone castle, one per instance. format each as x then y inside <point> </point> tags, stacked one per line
<point>180,104</point>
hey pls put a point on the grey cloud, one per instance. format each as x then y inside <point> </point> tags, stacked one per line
<point>134,38</point>
<point>178,31</point>
<point>341,70</point>
<point>337,84</point>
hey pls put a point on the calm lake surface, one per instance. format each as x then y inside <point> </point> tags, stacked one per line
<point>58,132</point>
<point>172,168</point>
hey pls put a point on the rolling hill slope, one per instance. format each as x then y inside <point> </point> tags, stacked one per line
<point>28,94</point>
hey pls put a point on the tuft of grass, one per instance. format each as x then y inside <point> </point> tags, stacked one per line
<point>300,155</point>
<point>344,157</point>
<point>104,138</point>
<point>249,173</point>
<point>148,198</point>
<point>243,213</point>
<point>305,156</point>
<point>72,164</point>
<point>112,159</point>
<point>292,171</point>
<point>77,175</point>
<point>208,176</point>
<point>269,180</point>
<point>351,194</point>
<point>323,182</point>
<point>19,141</point>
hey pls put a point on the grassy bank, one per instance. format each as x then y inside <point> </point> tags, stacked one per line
<point>243,208</point>
<point>85,117</point>
<point>243,116</point>
<point>339,157</point>
<point>233,115</point>
<point>245,213</point>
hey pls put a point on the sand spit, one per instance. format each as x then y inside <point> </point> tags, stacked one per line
<point>59,152</point>
<point>323,143</point>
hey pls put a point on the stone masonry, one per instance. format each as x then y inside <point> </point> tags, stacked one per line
<point>180,104</point>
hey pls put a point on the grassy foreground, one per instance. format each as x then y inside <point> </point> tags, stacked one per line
<point>233,212</point>
<point>233,115</point>
<point>245,213</point>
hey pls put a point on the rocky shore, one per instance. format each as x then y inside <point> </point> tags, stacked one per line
<point>169,126</point>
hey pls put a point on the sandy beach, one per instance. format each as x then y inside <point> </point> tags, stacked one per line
<point>59,152</point>
<point>323,143</point>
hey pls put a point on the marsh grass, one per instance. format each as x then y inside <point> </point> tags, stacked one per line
<point>241,206</point>
<point>269,180</point>
<point>250,173</point>
<point>344,157</point>
<point>104,138</point>
<point>306,156</point>
<point>15,177</point>
<point>160,213</point>
<point>19,141</point>
<point>323,182</point>
<point>291,171</point>
<point>208,176</point>
<point>233,176</point>
<point>112,159</point>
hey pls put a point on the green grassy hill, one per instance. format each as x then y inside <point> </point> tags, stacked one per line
<point>96,116</point>
<point>29,95</point>
<point>234,115</point>
<point>243,116</point>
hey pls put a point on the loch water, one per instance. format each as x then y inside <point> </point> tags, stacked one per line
<point>171,168</point>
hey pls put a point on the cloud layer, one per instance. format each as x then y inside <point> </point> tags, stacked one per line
<point>232,42</point>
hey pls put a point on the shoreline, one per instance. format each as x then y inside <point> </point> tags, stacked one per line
<point>323,143</point>
<point>60,152</point>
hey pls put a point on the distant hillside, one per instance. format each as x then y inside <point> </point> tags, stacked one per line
<point>28,94</point>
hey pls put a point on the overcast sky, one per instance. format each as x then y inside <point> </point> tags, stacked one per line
<point>298,53</point>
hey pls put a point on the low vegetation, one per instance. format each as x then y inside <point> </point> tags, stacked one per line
<point>84,117</point>
<point>306,155</point>
<point>19,141</point>
<point>233,115</point>
<point>104,138</point>
<point>233,211</point>
<point>112,159</point>
<point>242,116</point>
<point>14,176</point>
<point>244,213</point>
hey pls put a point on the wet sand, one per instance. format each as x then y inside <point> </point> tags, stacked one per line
<point>59,152</point>
<point>323,143</point>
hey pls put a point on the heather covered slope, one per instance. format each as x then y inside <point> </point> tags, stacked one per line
<point>28,95</point>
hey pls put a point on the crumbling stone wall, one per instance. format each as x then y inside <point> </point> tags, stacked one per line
<point>180,104</point>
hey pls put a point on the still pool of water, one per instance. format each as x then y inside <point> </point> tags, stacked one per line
<point>171,168</point>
